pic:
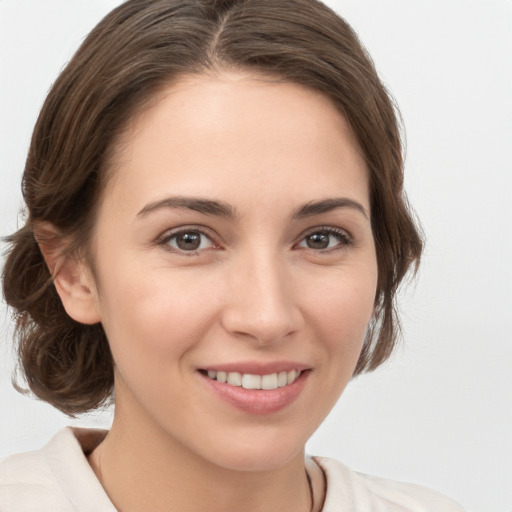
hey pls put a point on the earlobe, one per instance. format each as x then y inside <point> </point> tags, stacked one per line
<point>72,278</point>
<point>77,291</point>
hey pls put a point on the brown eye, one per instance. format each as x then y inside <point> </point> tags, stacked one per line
<point>189,241</point>
<point>318,240</point>
<point>325,239</point>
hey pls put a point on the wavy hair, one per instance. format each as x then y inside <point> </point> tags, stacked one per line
<point>135,51</point>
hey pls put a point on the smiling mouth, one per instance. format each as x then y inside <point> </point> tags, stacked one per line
<point>251,381</point>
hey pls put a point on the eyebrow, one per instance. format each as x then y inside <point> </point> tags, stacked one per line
<point>327,205</point>
<point>206,206</point>
<point>222,209</point>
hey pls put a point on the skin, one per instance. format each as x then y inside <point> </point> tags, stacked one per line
<point>255,290</point>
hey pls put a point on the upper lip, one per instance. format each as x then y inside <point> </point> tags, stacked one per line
<point>257,368</point>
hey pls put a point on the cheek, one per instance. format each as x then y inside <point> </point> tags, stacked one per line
<point>341,309</point>
<point>152,325</point>
<point>157,313</point>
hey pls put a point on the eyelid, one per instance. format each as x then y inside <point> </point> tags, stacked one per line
<point>343,234</point>
<point>166,236</point>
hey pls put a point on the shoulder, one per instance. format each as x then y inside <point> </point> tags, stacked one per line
<point>57,477</point>
<point>358,492</point>
<point>26,481</point>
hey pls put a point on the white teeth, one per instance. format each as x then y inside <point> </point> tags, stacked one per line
<point>269,381</point>
<point>250,381</point>
<point>235,378</point>
<point>292,374</point>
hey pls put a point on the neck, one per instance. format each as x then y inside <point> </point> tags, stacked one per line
<point>164,475</point>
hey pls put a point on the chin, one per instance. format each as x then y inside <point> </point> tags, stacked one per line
<point>258,452</point>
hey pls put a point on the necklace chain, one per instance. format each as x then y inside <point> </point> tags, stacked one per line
<point>308,478</point>
<point>311,491</point>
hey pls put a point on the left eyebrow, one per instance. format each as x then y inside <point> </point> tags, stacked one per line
<point>327,205</point>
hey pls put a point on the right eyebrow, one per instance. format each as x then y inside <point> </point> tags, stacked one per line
<point>197,204</point>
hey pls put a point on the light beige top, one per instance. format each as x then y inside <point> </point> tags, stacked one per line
<point>58,478</point>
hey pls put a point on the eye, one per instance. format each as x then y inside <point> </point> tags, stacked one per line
<point>187,240</point>
<point>325,239</point>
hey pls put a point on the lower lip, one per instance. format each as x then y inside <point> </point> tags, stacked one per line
<point>258,401</point>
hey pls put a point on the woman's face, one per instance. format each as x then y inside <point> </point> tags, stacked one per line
<point>234,242</point>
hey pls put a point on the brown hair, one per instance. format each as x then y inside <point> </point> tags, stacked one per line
<point>132,53</point>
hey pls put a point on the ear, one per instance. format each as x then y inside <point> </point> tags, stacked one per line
<point>73,279</point>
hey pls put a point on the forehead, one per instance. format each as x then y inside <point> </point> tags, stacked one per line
<point>208,134</point>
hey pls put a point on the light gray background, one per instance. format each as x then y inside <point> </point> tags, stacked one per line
<point>440,412</point>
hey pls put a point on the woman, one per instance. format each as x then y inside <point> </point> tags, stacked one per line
<point>216,232</point>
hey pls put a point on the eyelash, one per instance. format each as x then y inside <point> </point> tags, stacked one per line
<point>167,237</point>
<point>343,238</point>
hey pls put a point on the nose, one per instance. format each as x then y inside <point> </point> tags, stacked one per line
<point>262,305</point>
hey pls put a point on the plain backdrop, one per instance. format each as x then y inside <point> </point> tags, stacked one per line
<point>440,412</point>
